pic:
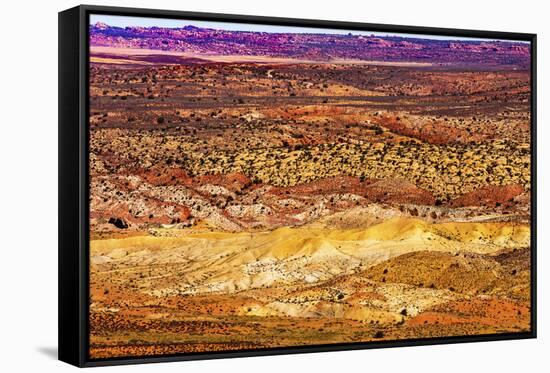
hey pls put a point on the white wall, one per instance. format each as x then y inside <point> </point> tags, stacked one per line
<point>28,182</point>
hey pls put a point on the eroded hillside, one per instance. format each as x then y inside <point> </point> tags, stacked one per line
<point>305,200</point>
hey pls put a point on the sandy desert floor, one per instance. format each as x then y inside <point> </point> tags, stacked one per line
<point>242,205</point>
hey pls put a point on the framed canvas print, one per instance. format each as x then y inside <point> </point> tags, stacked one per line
<point>238,186</point>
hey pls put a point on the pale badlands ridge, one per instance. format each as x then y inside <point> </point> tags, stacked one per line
<point>301,271</point>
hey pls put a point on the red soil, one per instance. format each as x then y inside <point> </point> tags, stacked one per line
<point>381,191</point>
<point>489,196</point>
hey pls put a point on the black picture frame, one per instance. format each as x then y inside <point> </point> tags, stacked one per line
<point>73,214</point>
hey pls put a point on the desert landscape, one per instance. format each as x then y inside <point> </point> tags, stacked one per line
<point>255,190</point>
